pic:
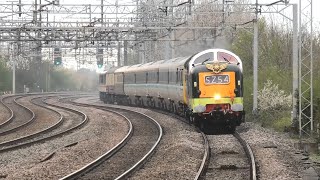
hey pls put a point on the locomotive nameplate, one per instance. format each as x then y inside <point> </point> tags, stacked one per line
<point>217,79</point>
<point>217,67</point>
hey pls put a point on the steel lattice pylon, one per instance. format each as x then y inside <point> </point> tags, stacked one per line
<point>306,125</point>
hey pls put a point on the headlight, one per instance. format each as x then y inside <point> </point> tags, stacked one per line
<point>217,97</point>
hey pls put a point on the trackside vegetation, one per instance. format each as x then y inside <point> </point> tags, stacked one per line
<point>274,75</point>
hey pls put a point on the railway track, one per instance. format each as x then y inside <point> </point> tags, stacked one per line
<point>21,116</point>
<point>230,158</point>
<point>130,154</point>
<point>210,167</point>
<point>66,125</point>
<point>10,118</point>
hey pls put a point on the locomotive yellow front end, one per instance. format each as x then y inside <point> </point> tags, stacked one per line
<point>215,90</point>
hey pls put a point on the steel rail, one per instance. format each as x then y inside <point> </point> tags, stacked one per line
<point>10,110</point>
<point>14,129</point>
<point>205,159</point>
<point>249,153</point>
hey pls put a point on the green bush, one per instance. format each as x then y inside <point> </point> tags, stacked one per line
<point>281,124</point>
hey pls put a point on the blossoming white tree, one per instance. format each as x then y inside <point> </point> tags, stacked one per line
<point>273,98</point>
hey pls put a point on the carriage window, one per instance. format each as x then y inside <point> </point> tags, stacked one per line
<point>163,77</point>
<point>177,76</point>
<point>157,76</point>
<point>140,78</point>
<point>153,77</point>
<point>181,77</point>
<point>225,57</point>
<point>146,77</point>
<point>129,78</point>
<point>172,77</point>
<point>149,77</point>
<point>119,78</point>
<point>109,79</point>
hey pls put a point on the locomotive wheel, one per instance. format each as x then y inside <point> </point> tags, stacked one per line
<point>162,105</point>
<point>136,102</point>
<point>231,129</point>
<point>196,121</point>
<point>171,107</point>
<point>140,102</point>
<point>203,126</point>
<point>190,120</point>
<point>153,104</point>
<point>175,109</point>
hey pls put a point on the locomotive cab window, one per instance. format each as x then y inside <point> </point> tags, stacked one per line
<point>204,58</point>
<point>225,57</point>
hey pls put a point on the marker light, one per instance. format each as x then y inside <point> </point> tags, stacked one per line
<point>217,97</point>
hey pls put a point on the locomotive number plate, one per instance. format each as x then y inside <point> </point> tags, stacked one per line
<point>217,79</point>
